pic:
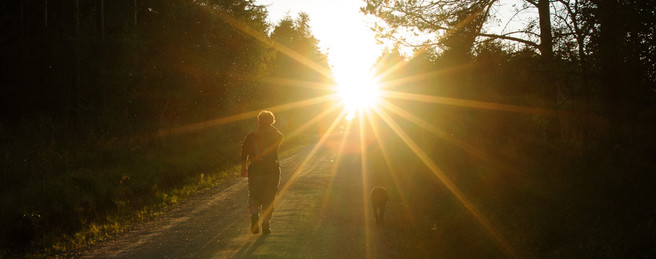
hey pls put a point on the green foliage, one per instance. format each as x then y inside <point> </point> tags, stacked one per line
<point>93,95</point>
<point>548,196</point>
<point>290,78</point>
<point>50,187</point>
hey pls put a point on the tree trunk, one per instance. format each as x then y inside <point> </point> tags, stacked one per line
<point>135,12</point>
<point>550,88</point>
<point>546,39</point>
<point>102,20</point>
<point>585,74</point>
<point>45,13</point>
<point>22,20</point>
<point>102,58</point>
<point>74,89</point>
<point>587,95</point>
<point>609,66</point>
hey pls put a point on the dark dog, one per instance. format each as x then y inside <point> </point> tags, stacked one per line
<point>379,199</point>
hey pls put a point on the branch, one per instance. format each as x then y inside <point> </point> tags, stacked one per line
<point>431,25</point>
<point>565,21</point>
<point>504,37</point>
<point>565,34</point>
<point>532,2</point>
<point>525,32</point>
<point>405,43</point>
<point>513,17</point>
<point>494,36</point>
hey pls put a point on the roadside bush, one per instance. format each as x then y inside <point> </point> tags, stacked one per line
<point>56,184</point>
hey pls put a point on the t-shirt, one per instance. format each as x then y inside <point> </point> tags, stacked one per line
<point>261,148</point>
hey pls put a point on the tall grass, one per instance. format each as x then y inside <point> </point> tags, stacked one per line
<point>62,190</point>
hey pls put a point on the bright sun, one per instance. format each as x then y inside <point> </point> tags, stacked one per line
<point>357,91</point>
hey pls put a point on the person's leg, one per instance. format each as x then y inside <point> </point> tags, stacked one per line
<point>254,209</point>
<point>254,202</point>
<point>268,201</point>
<point>267,212</point>
<point>254,205</point>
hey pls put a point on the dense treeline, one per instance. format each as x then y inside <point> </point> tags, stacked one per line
<point>103,104</point>
<point>93,92</point>
<point>574,182</point>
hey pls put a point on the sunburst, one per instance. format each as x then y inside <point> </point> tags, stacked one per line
<point>357,91</point>
<point>360,94</point>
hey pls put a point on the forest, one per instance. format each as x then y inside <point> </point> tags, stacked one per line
<point>558,144</point>
<point>111,108</point>
<point>98,98</point>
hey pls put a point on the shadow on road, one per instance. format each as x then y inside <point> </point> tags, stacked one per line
<point>250,247</point>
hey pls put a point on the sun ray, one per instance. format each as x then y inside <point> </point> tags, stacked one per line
<point>470,103</point>
<point>441,134</point>
<point>311,122</point>
<point>504,245</point>
<point>283,190</point>
<point>395,178</point>
<point>298,83</point>
<point>424,76</point>
<point>333,171</point>
<point>326,72</point>
<point>262,37</point>
<point>365,186</point>
<point>388,163</point>
<point>232,118</point>
<point>310,155</point>
<point>390,70</point>
<point>342,145</point>
<point>393,68</point>
<point>413,146</point>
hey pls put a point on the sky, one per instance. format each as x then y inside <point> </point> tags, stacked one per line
<point>343,32</point>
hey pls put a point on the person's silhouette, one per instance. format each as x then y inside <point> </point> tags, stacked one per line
<point>260,147</point>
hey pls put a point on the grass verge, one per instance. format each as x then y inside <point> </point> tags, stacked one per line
<point>60,193</point>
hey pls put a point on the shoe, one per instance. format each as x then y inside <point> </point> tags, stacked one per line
<point>266,229</point>
<point>254,226</point>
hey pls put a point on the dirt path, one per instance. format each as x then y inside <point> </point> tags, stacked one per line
<point>320,214</point>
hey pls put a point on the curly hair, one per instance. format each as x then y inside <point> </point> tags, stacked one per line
<point>265,118</point>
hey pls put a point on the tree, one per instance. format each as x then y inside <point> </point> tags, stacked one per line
<point>441,18</point>
<point>296,35</point>
<point>457,25</point>
<point>123,78</point>
<point>625,45</point>
<point>300,74</point>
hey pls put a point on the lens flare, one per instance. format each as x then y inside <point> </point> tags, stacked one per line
<point>357,92</point>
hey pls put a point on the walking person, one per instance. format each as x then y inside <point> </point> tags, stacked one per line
<point>260,147</point>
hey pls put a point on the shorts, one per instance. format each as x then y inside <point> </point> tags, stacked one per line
<point>262,189</point>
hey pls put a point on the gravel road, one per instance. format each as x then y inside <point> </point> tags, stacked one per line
<point>320,213</point>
